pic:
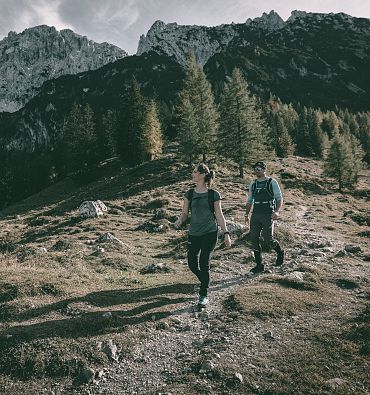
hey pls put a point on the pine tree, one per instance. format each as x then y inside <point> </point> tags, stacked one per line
<point>107,136</point>
<point>317,136</point>
<point>340,162</point>
<point>197,111</point>
<point>304,145</point>
<point>130,125</point>
<point>88,148</point>
<point>243,132</point>
<point>79,143</point>
<point>363,120</point>
<point>330,124</point>
<point>284,144</point>
<point>151,139</point>
<point>69,152</point>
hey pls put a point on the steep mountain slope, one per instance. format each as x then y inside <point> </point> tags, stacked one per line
<point>40,121</point>
<point>317,59</point>
<point>41,53</point>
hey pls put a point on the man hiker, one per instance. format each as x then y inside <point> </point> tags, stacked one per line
<point>264,196</point>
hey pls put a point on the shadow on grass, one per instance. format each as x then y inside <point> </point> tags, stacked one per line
<point>150,302</point>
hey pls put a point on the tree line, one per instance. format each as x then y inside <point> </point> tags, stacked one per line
<point>235,125</point>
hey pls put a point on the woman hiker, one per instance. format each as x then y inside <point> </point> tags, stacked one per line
<point>206,213</point>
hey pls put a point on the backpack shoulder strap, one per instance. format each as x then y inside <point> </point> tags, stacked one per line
<point>269,187</point>
<point>190,196</point>
<point>254,186</point>
<point>211,200</point>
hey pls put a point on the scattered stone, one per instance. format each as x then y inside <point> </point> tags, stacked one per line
<point>90,209</point>
<point>108,238</point>
<point>335,383</point>
<point>235,228</point>
<point>294,276</point>
<point>340,254</point>
<point>269,336</point>
<point>352,248</point>
<point>207,366</point>
<point>163,325</point>
<point>109,348</point>
<point>98,251</point>
<point>238,377</point>
<point>155,268</point>
<point>61,245</point>
<point>319,244</point>
<point>102,206</point>
<point>319,254</point>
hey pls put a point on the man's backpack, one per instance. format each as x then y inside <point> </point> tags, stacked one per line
<point>268,187</point>
<point>211,199</point>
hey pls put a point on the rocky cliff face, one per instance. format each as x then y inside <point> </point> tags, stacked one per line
<point>42,53</point>
<point>176,40</point>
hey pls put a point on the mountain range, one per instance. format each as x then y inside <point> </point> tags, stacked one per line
<point>320,60</point>
<point>42,53</point>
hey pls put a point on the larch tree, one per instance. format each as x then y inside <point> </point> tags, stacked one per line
<point>243,133</point>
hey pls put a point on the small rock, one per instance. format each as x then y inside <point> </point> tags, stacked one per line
<point>98,251</point>
<point>155,268</point>
<point>108,238</point>
<point>238,377</point>
<point>207,366</point>
<point>163,325</point>
<point>269,335</point>
<point>352,248</point>
<point>109,348</point>
<point>340,254</point>
<point>108,314</point>
<point>335,383</point>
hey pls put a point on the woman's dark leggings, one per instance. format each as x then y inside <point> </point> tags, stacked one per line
<point>199,254</point>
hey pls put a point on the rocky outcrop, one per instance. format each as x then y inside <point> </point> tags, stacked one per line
<point>176,40</point>
<point>42,53</point>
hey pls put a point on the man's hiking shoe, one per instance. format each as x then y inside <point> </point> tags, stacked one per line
<point>280,258</point>
<point>203,301</point>
<point>258,269</point>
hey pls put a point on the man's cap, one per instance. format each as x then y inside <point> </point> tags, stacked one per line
<point>259,164</point>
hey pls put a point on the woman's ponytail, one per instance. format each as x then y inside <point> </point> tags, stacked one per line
<point>209,178</point>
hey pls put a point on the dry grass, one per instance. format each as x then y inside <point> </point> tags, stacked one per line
<point>52,302</point>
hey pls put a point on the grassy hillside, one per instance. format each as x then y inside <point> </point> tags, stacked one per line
<point>299,329</point>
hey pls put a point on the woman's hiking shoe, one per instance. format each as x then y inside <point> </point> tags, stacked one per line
<point>203,301</point>
<point>280,258</point>
<point>259,268</point>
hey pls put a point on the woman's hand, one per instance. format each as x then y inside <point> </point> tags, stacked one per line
<point>227,240</point>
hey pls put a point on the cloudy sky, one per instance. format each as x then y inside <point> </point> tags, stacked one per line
<point>121,22</point>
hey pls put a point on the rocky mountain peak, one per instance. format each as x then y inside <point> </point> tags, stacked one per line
<point>270,21</point>
<point>296,15</point>
<point>41,53</point>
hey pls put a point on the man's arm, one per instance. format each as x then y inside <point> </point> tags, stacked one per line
<point>249,204</point>
<point>278,199</point>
